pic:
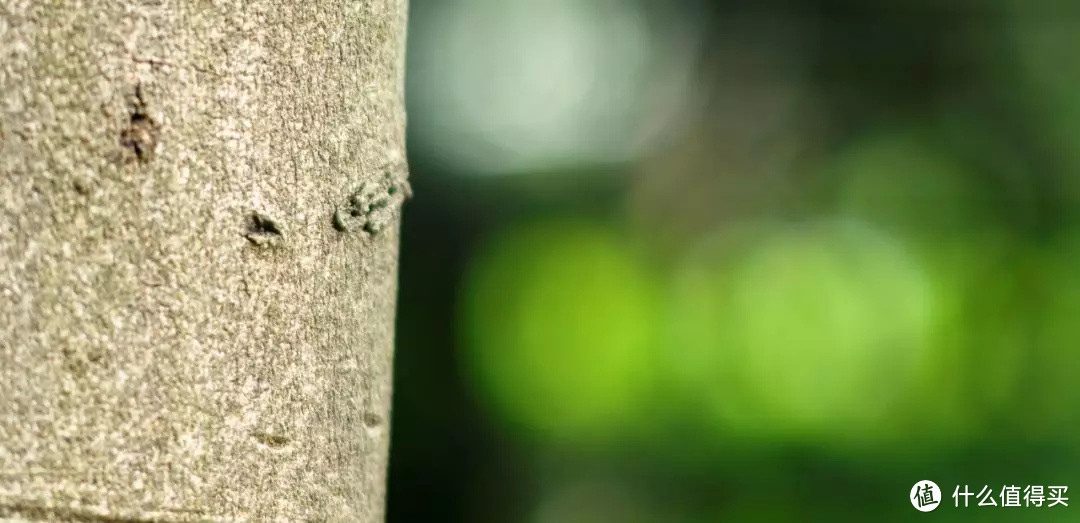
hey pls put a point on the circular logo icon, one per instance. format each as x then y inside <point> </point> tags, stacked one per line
<point>925,496</point>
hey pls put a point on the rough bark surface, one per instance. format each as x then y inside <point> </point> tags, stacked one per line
<point>198,254</point>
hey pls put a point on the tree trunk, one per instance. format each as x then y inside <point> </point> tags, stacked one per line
<point>198,253</point>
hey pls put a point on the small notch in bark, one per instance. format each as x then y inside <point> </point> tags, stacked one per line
<point>140,137</point>
<point>263,230</point>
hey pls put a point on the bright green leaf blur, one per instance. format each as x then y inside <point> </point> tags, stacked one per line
<point>559,320</point>
<point>814,331</point>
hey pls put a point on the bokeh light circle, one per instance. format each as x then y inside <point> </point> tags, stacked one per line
<point>515,86</point>
<point>558,321</point>
<point>812,332</point>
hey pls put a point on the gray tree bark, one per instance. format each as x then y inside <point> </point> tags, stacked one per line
<point>198,253</point>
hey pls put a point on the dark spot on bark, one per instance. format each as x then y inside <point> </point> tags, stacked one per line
<point>372,420</point>
<point>81,186</point>
<point>271,440</point>
<point>263,224</point>
<point>140,137</point>
<point>74,363</point>
<point>262,230</point>
<point>79,362</point>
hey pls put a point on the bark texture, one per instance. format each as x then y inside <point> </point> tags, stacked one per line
<point>198,253</point>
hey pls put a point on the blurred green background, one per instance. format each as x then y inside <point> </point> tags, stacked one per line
<point>717,261</point>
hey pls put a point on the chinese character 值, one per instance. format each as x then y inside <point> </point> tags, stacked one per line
<point>1010,496</point>
<point>925,496</point>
